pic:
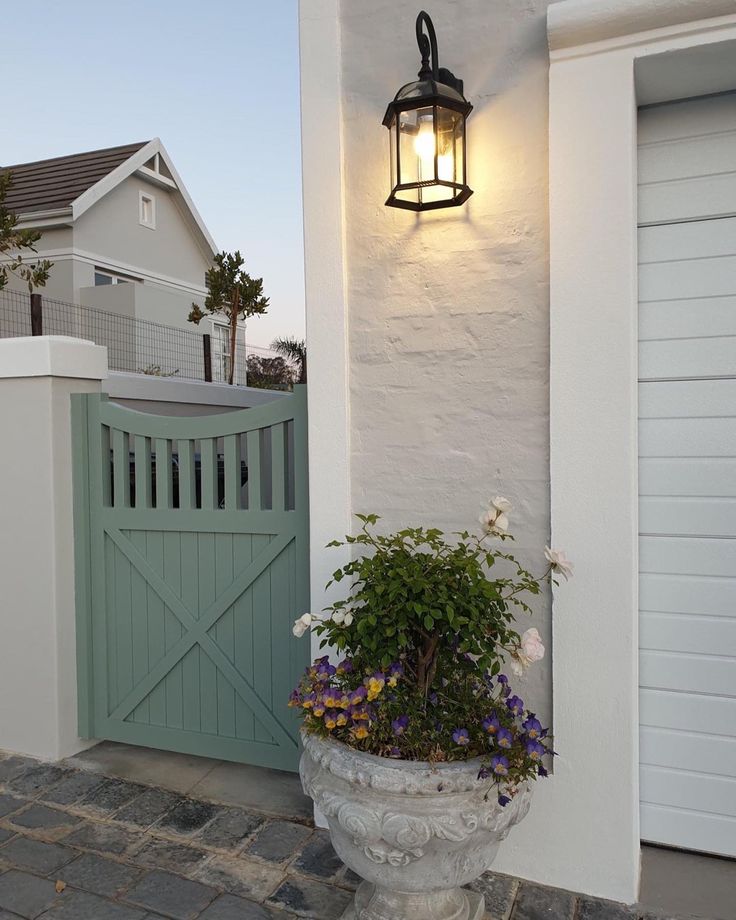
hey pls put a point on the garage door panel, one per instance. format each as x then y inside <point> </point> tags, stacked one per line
<point>712,116</point>
<point>698,476</point>
<point>703,239</point>
<point>691,712</point>
<point>687,632</point>
<point>682,158</point>
<point>691,830</point>
<point>688,672</point>
<point>690,398</point>
<point>678,593</point>
<point>662,786</point>
<point>690,278</point>
<point>689,318</point>
<point>688,199</point>
<point>688,516</point>
<point>688,556</point>
<point>685,750</point>
<point>687,437</point>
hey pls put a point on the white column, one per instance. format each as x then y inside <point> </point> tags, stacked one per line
<point>38,669</point>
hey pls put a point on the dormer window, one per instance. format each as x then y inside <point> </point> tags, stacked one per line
<point>147,210</point>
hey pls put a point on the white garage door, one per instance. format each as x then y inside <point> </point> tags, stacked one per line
<point>687,473</point>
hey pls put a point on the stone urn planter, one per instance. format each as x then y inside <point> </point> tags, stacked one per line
<point>415,832</point>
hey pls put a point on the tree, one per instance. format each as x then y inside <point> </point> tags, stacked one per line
<point>234,294</point>
<point>13,242</point>
<point>269,373</point>
<point>295,351</point>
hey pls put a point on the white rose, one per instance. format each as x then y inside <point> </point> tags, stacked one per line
<point>559,562</point>
<point>531,646</point>
<point>338,617</point>
<point>302,624</point>
<point>501,504</point>
<point>501,524</point>
<point>494,522</point>
<point>348,619</point>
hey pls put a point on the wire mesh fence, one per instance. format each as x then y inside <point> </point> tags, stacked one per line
<point>133,345</point>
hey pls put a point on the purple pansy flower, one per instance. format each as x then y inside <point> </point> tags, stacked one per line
<point>541,770</point>
<point>532,726</point>
<point>503,800</point>
<point>502,679</point>
<point>394,752</point>
<point>535,750</point>
<point>504,738</point>
<point>433,698</point>
<point>358,696</point>
<point>491,725</point>
<point>500,765</point>
<point>516,705</point>
<point>484,773</point>
<point>461,736</point>
<point>399,725</point>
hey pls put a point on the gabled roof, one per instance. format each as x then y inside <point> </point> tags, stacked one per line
<point>58,191</point>
<point>56,183</point>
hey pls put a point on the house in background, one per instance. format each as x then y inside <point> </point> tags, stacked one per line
<point>123,233</point>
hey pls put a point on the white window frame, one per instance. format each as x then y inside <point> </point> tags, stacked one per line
<point>115,278</point>
<point>144,195</point>
<point>220,333</point>
<point>604,64</point>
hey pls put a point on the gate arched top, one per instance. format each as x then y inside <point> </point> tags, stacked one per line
<point>238,421</point>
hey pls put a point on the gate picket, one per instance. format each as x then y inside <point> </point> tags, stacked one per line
<point>191,543</point>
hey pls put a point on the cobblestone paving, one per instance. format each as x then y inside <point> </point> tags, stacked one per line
<point>82,846</point>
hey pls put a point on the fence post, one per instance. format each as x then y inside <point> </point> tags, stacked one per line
<point>207,345</point>
<point>36,314</point>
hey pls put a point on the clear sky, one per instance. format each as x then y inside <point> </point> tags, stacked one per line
<point>216,80</point>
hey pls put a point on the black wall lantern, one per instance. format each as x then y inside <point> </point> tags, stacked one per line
<point>426,123</point>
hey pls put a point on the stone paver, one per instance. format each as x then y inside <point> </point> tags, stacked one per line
<point>318,858</point>
<point>11,803</point>
<point>36,855</point>
<point>536,903</point>
<point>148,807</point>
<point>104,838</point>
<point>5,834</point>
<point>24,894</point>
<point>110,796</point>
<point>32,781</point>
<point>244,877</point>
<point>307,898</point>
<point>13,766</point>
<point>189,816</point>
<point>227,907</point>
<point>171,895</point>
<point>163,854</point>
<point>278,841</point>
<point>81,905</point>
<point>499,892</point>
<point>603,910</point>
<point>73,788</point>
<point>230,829</point>
<point>99,875</point>
<point>49,822</point>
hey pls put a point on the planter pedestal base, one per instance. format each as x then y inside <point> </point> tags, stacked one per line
<point>372,903</point>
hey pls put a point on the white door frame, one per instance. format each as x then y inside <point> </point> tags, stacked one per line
<point>606,59</point>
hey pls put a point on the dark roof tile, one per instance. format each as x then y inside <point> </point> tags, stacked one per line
<point>56,183</point>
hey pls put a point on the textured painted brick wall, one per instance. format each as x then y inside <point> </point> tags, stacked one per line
<point>448,311</point>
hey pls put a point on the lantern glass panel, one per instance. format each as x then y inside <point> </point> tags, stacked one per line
<point>430,153</point>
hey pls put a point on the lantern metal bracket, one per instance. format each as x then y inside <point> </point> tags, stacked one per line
<point>430,58</point>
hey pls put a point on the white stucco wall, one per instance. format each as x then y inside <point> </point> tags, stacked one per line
<point>448,310</point>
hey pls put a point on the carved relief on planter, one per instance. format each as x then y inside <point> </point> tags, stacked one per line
<point>415,831</point>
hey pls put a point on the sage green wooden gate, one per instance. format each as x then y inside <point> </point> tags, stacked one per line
<point>191,565</point>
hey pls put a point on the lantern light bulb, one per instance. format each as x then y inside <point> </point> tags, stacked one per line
<point>424,143</point>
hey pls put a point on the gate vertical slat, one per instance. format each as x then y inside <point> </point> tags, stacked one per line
<point>187,483</point>
<point>99,499</point>
<point>143,491</point>
<point>121,469</point>
<point>278,468</point>
<point>254,469</point>
<point>232,472</point>
<point>164,486</point>
<point>208,475</point>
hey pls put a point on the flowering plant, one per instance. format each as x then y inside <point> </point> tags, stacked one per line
<point>424,632</point>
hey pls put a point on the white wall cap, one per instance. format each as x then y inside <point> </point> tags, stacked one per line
<point>52,356</point>
<point>578,22</point>
<point>176,389</point>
